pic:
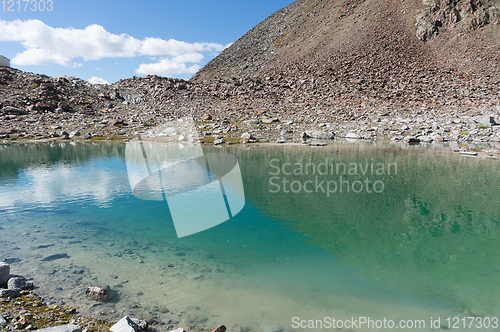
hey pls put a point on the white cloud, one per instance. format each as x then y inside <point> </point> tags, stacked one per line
<point>65,46</point>
<point>97,80</point>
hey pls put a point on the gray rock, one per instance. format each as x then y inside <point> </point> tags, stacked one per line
<point>127,324</point>
<point>180,329</point>
<point>14,110</point>
<point>218,141</point>
<point>3,321</point>
<point>9,293</point>
<point>62,328</point>
<point>19,283</point>
<point>318,134</point>
<point>487,121</point>
<point>74,134</point>
<point>286,132</point>
<point>4,272</point>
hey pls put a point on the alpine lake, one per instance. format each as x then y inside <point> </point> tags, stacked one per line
<point>342,234</point>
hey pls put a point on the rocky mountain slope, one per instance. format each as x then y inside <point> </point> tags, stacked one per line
<point>368,68</point>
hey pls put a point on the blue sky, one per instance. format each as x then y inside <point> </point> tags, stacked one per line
<point>104,41</point>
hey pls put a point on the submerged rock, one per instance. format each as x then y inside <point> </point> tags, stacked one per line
<point>55,257</point>
<point>4,272</point>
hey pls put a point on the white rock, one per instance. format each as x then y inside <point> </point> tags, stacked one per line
<point>63,328</point>
<point>127,324</point>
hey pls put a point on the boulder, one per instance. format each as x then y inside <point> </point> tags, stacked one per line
<point>207,117</point>
<point>62,328</point>
<point>4,272</point>
<point>486,121</point>
<point>45,107</point>
<point>19,283</point>
<point>14,110</point>
<point>318,134</point>
<point>127,324</point>
<point>3,321</point>
<point>178,330</point>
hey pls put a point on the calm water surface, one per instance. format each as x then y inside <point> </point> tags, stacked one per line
<point>343,231</point>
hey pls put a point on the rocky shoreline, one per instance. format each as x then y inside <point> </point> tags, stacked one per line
<point>21,308</point>
<point>36,108</point>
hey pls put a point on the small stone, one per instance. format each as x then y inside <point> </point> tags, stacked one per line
<point>207,117</point>
<point>4,272</point>
<point>3,321</point>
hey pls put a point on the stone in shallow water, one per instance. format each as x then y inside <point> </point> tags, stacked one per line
<point>99,293</point>
<point>4,272</point>
<point>19,283</point>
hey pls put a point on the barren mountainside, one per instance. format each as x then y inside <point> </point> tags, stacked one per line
<point>370,39</point>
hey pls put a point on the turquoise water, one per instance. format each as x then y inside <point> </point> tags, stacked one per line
<point>391,233</point>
